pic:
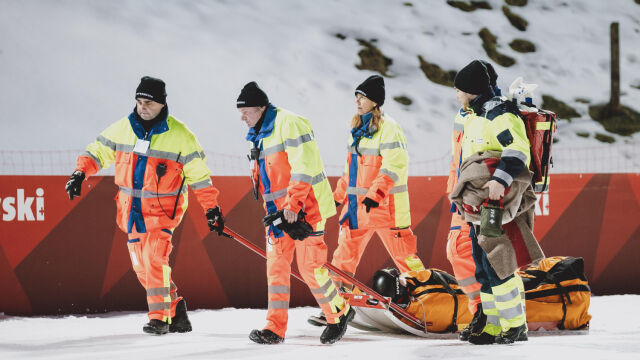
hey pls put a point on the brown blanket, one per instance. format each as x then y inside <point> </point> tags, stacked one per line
<point>517,247</point>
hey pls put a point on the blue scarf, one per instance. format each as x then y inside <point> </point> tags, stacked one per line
<point>363,130</point>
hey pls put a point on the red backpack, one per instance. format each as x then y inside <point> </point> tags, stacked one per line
<point>540,126</point>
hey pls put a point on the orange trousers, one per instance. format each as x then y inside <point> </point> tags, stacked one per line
<point>400,244</point>
<point>311,255</point>
<point>149,254</point>
<point>460,256</point>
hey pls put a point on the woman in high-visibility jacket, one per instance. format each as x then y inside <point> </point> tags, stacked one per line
<point>373,187</point>
<point>288,171</point>
<point>156,157</point>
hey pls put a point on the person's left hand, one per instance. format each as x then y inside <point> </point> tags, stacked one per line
<point>496,190</point>
<point>290,216</point>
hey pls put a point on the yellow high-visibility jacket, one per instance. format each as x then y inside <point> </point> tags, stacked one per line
<point>145,200</point>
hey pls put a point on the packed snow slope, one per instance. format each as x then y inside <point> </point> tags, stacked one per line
<point>223,334</point>
<point>69,68</point>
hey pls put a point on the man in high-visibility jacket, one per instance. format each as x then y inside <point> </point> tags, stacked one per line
<point>494,124</point>
<point>288,171</point>
<point>458,242</point>
<point>155,156</point>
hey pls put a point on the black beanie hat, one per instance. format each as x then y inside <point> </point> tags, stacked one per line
<point>493,76</point>
<point>473,78</point>
<point>372,89</point>
<point>252,95</point>
<point>152,89</point>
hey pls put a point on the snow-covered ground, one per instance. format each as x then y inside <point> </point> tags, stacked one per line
<point>222,334</point>
<point>69,68</point>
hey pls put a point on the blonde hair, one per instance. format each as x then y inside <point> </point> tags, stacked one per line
<point>376,120</point>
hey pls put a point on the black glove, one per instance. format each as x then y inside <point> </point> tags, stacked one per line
<point>215,220</point>
<point>297,230</point>
<point>337,203</point>
<point>370,204</point>
<point>74,185</point>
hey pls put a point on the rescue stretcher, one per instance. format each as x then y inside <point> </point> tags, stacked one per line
<point>378,313</point>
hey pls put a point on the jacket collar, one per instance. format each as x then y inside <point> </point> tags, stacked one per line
<point>267,125</point>
<point>477,104</point>
<point>161,126</point>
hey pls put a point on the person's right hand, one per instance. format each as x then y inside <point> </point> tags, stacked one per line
<point>74,185</point>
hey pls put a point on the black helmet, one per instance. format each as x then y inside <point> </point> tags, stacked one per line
<point>386,282</point>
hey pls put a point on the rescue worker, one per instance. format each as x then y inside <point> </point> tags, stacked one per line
<point>155,157</point>
<point>458,241</point>
<point>288,171</point>
<point>374,185</point>
<point>493,124</point>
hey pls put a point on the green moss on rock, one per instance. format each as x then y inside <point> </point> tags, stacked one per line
<point>605,138</point>
<point>404,100</point>
<point>489,42</point>
<point>562,110</point>
<point>469,6</point>
<point>522,45</point>
<point>371,58</point>
<point>516,2</point>
<point>516,20</point>
<point>582,134</point>
<point>436,74</point>
<point>625,123</point>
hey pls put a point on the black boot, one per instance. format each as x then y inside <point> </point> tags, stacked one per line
<point>475,326</point>
<point>482,338</point>
<point>156,327</point>
<point>265,337</point>
<point>319,320</point>
<point>512,335</point>
<point>334,332</point>
<point>180,323</point>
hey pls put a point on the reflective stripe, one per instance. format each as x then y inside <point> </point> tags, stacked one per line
<point>160,306</point>
<point>323,289</point>
<point>500,174</point>
<point>298,141</point>
<point>468,281</point>
<point>488,305</point>
<point>275,195</point>
<point>473,295</point>
<point>511,313</point>
<point>328,298</point>
<point>308,179</point>
<point>271,150</point>
<point>124,148</point>
<point>516,154</point>
<point>192,156</point>
<point>136,193</point>
<point>163,291</point>
<point>399,189</point>
<point>106,142</point>
<point>509,296</point>
<point>363,191</point>
<point>391,174</point>
<point>278,289</point>
<point>393,145</point>
<point>356,191</point>
<point>364,151</point>
<point>278,305</point>
<point>493,320</point>
<point>86,153</point>
<point>201,184</point>
<point>543,125</point>
<point>458,127</point>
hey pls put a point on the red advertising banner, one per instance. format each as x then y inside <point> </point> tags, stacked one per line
<point>59,256</point>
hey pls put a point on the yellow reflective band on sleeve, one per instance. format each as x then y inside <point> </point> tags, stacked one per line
<point>543,125</point>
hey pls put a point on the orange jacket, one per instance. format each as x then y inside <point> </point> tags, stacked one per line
<point>144,199</point>
<point>289,171</point>
<point>377,168</point>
